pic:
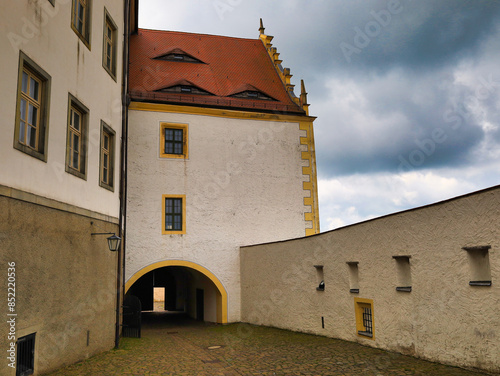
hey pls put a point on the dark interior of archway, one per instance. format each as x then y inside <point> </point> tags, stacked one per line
<point>172,278</point>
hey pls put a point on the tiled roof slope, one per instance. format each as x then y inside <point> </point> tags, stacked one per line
<point>227,66</point>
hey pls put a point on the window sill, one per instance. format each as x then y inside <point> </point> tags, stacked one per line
<point>365,334</point>
<point>404,289</point>
<point>480,283</point>
<point>320,289</point>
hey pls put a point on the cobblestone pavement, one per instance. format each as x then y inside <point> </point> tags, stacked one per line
<point>183,347</point>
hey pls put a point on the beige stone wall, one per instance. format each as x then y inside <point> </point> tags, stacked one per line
<point>65,283</point>
<point>442,319</point>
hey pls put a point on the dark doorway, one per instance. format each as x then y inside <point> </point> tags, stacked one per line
<point>200,304</point>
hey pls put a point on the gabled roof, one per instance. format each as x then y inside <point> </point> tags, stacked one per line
<point>229,65</point>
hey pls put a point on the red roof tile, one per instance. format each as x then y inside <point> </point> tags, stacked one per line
<point>229,66</point>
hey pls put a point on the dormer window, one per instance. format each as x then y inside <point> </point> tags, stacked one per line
<point>252,94</point>
<point>184,87</point>
<point>178,55</point>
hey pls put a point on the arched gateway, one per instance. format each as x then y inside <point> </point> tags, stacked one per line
<point>195,288</point>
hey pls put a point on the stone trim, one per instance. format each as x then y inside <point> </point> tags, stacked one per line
<point>32,198</point>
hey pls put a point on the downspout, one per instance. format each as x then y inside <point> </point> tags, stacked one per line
<point>120,279</point>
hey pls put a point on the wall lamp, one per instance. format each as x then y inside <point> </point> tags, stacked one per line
<point>113,241</point>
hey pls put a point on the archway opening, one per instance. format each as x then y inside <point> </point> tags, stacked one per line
<point>186,287</point>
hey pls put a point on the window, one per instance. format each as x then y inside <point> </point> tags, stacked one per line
<point>353,277</point>
<point>80,20</point>
<point>25,355</point>
<point>107,158</point>
<point>364,317</point>
<point>174,214</point>
<point>174,140</point>
<point>76,146</point>
<point>109,45</point>
<point>479,262</point>
<point>31,130</point>
<point>404,273</point>
<point>320,278</point>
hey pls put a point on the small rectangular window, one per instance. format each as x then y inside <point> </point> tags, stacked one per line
<point>364,317</point>
<point>25,355</point>
<point>479,263</point>
<point>76,146</point>
<point>109,53</point>
<point>173,140</point>
<point>174,214</point>
<point>353,277</point>
<point>107,157</point>
<point>403,272</point>
<point>80,20</point>
<point>30,135</point>
<point>320,278</point>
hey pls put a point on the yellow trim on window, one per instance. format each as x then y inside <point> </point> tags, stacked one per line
<point>359,304</point>
<point>221,297</point>
<point>167,232</point>
<point>185,139</point>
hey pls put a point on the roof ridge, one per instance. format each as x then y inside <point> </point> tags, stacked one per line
<point>200,34</point>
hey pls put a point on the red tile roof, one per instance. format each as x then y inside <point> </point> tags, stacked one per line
<point>229,66</point>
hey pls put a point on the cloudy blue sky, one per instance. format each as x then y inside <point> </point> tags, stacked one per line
<point>407,93</point>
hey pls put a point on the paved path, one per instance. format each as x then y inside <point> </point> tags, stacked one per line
<point>180,347</point>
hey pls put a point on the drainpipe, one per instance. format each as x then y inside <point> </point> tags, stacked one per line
<point>120,272</point>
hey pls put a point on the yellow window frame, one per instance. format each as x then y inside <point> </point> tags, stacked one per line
<point>185,139</point>
<point>173,232</point>
<point>359,305</point>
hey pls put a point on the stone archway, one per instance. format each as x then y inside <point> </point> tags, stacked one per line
<point>221,293</point>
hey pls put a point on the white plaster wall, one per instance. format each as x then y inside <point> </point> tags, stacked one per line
<point>443,318</point>
<point>243,185</point>
<point>45,35</point>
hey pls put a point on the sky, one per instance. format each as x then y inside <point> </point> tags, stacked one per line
<point>406,93</point>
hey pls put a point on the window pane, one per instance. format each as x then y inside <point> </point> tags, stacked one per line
<point>105,175</point>
<point>24,83</point>
<point>169,148</point>
<point>168,222</point>
<point>177,206</point>
<point>32,137</point>
<point>23,109</point>
<point>76,142</point>
<point>22,130</point>
<point>32,114</point>
<point>177,222</point>
<point>33,89</point>
<point>178,149</point>
<point>178,135</point>
<point>80,18</point>
<point>168,205</point>
<point>75,159</point>
<point>105,160</point>
<point>169,134</point>
<point>76,120</point>
<point>106,142</point>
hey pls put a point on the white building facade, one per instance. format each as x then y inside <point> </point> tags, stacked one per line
<point>61,114</point>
